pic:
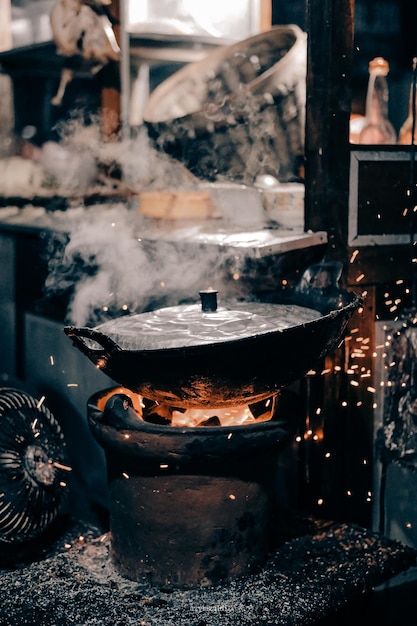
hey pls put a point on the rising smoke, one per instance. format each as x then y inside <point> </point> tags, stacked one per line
<point>111,267</point>
<point>111,260</point>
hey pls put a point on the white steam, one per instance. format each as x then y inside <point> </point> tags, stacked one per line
<point>113,262</point>
<point>114,267</point>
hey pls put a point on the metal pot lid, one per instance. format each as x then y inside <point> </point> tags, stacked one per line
<point>206,323</point>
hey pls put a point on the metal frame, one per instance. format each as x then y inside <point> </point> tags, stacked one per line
<point>356,158</point>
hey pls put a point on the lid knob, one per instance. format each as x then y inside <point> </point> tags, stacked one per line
<point>208,300</point>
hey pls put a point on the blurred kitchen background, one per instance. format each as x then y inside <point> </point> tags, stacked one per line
<point>96,127</point>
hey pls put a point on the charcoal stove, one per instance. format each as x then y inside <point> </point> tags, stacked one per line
<point>192,458</point>
<point>189,506</point>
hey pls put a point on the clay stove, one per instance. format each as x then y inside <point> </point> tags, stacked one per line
<point>189,505</point>
<point>191,472</point>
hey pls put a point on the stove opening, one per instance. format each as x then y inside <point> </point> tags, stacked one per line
<point>126,406</point>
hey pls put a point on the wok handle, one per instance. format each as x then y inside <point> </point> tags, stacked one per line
<point>96,355</point>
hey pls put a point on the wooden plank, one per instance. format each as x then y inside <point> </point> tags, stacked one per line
<point>346,408</point>
<point>265,15</point>
<point>111,95</point>
<point>329,64</point>
<point>5,25</point>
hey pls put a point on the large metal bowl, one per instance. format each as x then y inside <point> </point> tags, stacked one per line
<point>239,112</point>
<point>215,368</point>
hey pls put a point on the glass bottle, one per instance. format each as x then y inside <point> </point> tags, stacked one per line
<point>404,136</point>
<point>377,128</point>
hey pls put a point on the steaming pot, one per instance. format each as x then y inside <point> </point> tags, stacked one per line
<point>203,355</point>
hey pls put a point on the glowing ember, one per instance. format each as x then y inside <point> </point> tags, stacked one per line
<point>131,406</point>
<point>230,416</point>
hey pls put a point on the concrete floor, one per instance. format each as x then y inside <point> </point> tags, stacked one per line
<point>393,603</point>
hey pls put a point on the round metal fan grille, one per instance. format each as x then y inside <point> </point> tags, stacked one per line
<point>33,466</point>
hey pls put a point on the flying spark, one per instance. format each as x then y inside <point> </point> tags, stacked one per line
<point>66,468</point>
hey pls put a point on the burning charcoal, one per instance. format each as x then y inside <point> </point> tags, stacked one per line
<point>263,410</point>
<point>157,412</point>
<point>211,421</point>
<point>156,418</point>
<point>33,467</point>
<point>119,412</point>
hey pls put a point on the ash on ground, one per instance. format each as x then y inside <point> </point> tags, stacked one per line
<point>306,579</point>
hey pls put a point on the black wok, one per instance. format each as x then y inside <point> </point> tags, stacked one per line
<point>215,368</point>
